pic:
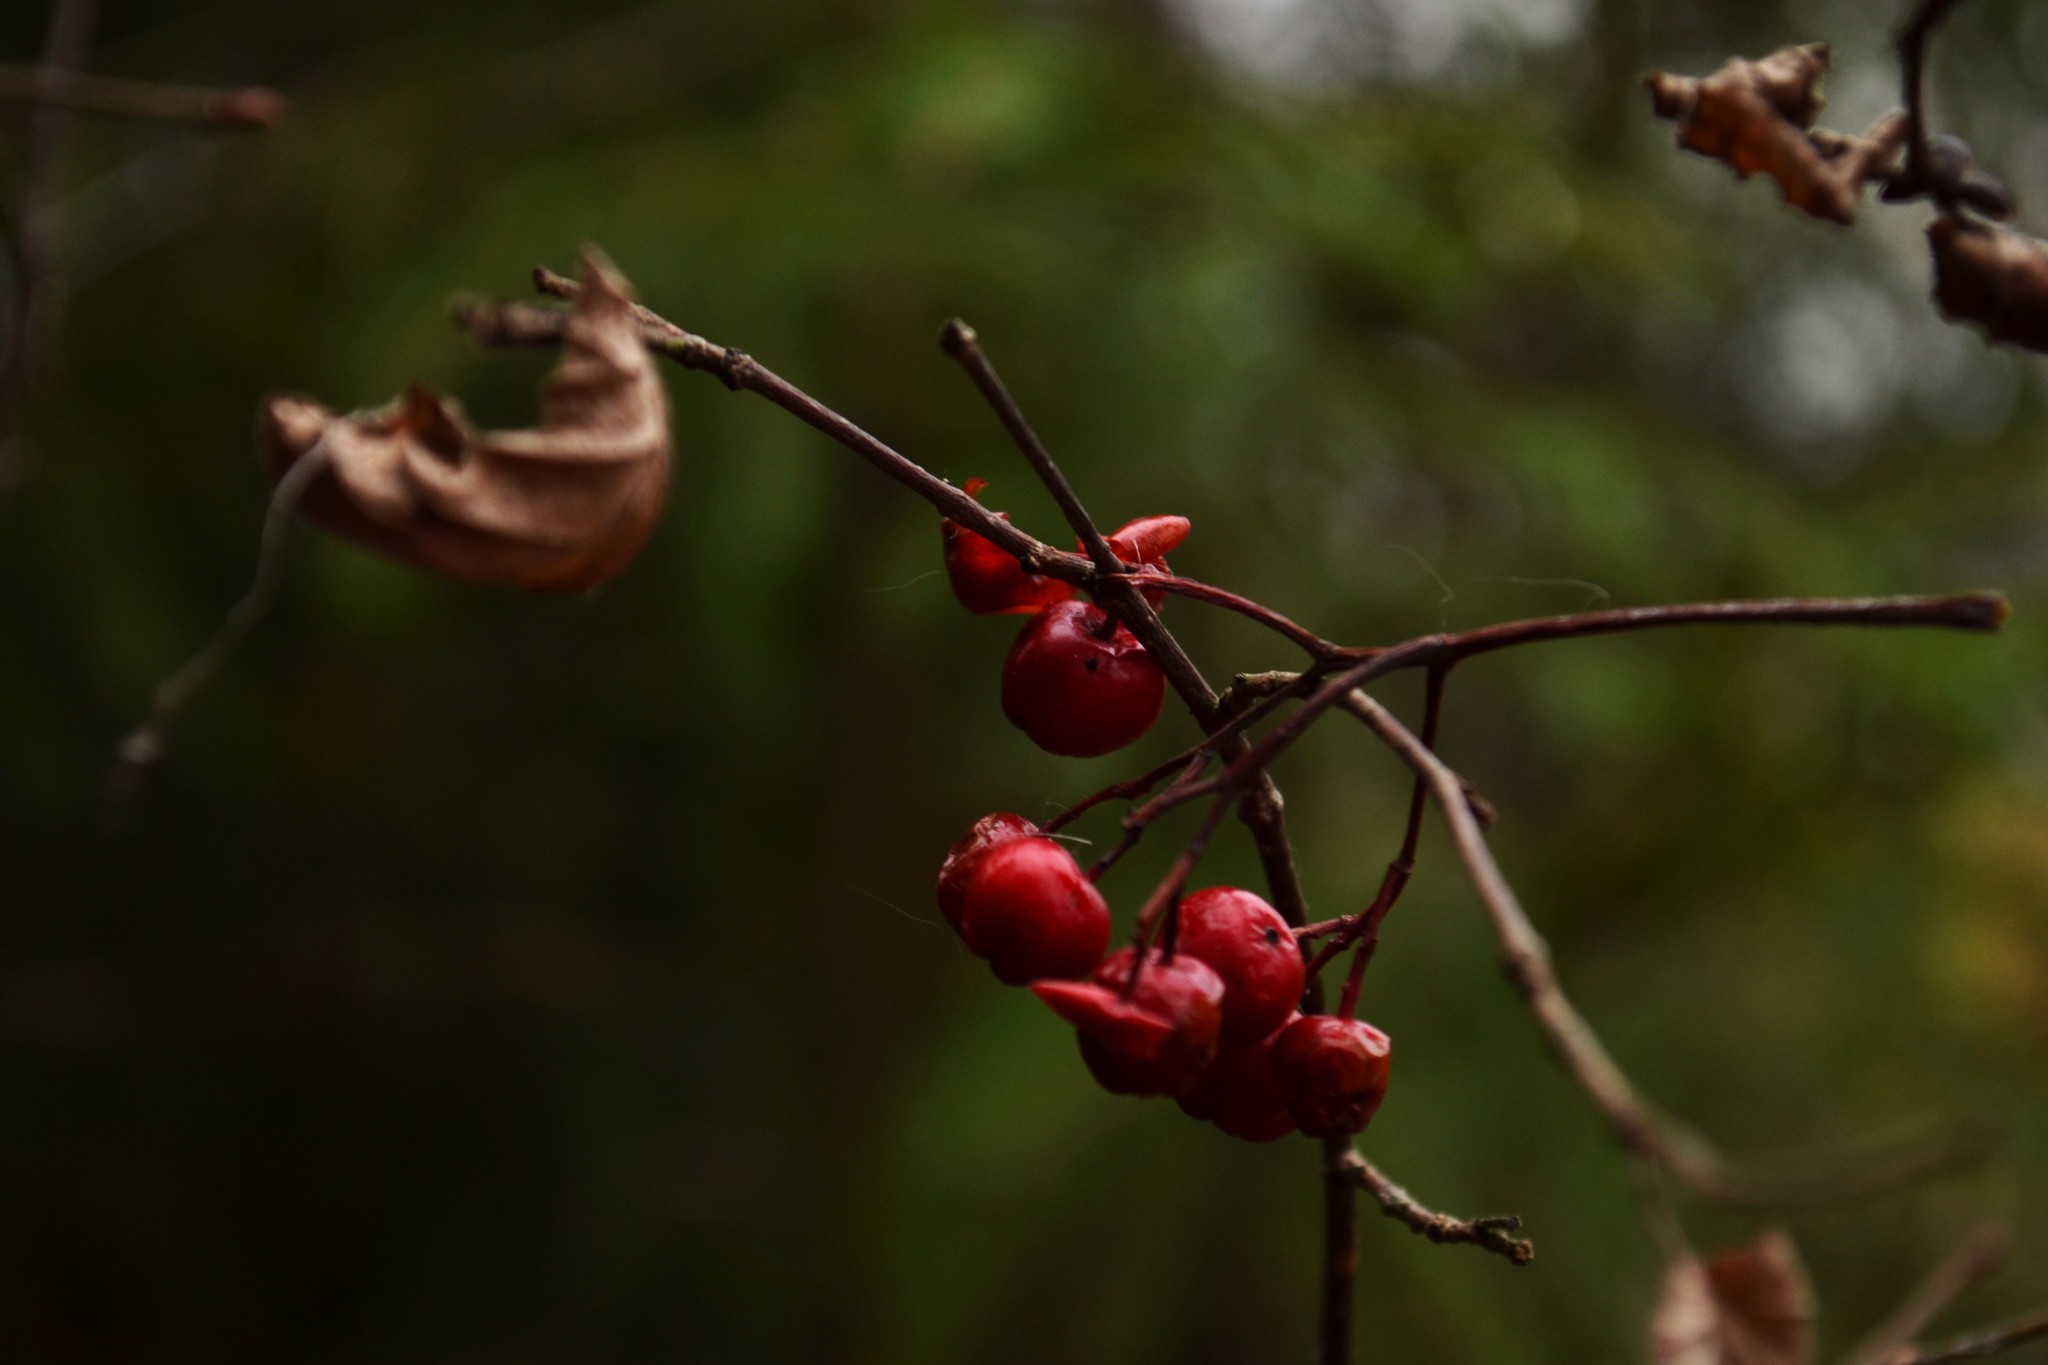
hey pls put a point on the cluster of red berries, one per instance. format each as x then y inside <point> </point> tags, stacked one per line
<point>1213,1019</point>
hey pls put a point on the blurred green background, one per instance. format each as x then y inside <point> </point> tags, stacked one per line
<point>490,979</point>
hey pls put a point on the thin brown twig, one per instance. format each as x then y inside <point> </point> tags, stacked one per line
<point>1340,1251</point>
<point>1629,1116</point>
<point>1200,754</point>
<point>1367,934</point>
<point>1640,1126</point>
<point>1313,643</point>
<point>1912,43</point>
<point>1976,1345</point>
<point>1494,1234</point>
<point>1128,840</point>
<point>70,38</point>
<point>959,341</point>
<point>1183,766</point>
<point>1976,1259</point>
<point>255,106</point>
<point>1976,611</point>
<point>143,746</point>
<point>503,324</point>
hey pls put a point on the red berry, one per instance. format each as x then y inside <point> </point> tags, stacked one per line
<point>986,578</point>
<point>1240,1093</point>
<point>1252,949</point>
<point>1333,1072</point>
<point>990,831</point>
<point>1148,540</point>
<point>1157,1040</point>
<point>1078,684</point>
<point>1030,910</point>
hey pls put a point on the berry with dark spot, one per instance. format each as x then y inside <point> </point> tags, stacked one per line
<point>1079,684</point>
<point>1252,948</point>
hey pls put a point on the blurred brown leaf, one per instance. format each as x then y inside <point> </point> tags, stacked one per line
<point>1758,116</point>
<point>1751,1306</point>
<point>559,509</point>
<point>1992,276</point>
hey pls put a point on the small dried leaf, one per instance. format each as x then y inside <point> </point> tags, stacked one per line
<point>1750,1306</point>
<point>1756,116</point>
<point>559,509</point>
<point>1992,276</point>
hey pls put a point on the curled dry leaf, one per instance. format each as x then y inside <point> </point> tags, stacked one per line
<point>1750,1306</point>
<point>1758,117</point>
<point>1992,276</point>
<point>559,509</point>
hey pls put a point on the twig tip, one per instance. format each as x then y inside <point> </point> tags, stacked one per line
<point>956,336</point>
<point>257,106</point>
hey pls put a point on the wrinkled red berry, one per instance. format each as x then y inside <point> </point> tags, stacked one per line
<point>1156,1041</point>
<point>1078,684</point>
<point>1252,949</point>
<point>1030,910</point>
<point>1240,1093</point>
<point>990,831</point>
<point>1333,1073</point>
<point>986,578</point>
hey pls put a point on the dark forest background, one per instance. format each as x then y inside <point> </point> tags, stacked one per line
<point>492,979</point>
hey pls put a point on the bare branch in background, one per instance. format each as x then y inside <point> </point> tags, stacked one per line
<point>255,107</point>
<point>1980,1256</point>
<point>70,38</point>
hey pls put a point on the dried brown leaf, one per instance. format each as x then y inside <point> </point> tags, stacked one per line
<point>559,509</point>
<point>1750,1306</point>
<point>1757,116</point>
<point>1992,276</point>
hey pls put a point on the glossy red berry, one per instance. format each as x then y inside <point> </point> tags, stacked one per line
<point>1240,1093</point>
<point>1252,948</point>
<point>990,831</point>
<point>1078,684</point>
<point>1333,1073</point>
<point>1030,910</point>
<point>987,579</point>
<point>1156,1041</point>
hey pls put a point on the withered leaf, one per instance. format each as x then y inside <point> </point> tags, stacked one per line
<point>1758,117</point>
<point>559,509</point>
<point>1992,276</point>
<point>1750,1306</point>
